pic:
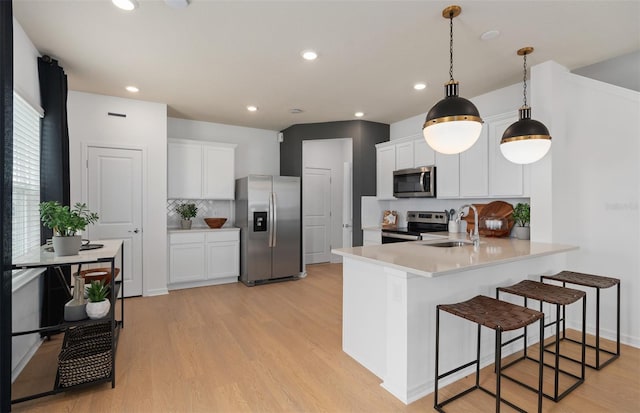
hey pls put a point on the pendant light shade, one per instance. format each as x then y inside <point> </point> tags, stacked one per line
<point>527,140</point>
<point>453,124</point>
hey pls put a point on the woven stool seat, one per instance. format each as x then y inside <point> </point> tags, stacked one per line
<point>545,292</point>
<point>492,313</point>
<point>560,297</point>
<point>597,282</point>
<point>588,280</point>
<point>500,316</point>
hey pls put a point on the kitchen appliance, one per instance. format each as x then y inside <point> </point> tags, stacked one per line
<point>418,223</point>
<point>415,182</point>
<point>269,218</point>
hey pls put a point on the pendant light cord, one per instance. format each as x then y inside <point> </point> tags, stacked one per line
<point>524,80</point>
<point>451,46</point>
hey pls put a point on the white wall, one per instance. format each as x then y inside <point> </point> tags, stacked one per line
<point>330,154</point>
<point>25,66</point>
<point>144,127</point>
<point>258,150</point>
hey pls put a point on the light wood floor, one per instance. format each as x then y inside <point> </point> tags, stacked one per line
<point>275,348</point>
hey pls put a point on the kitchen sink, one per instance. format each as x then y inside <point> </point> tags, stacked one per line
<point>448,244</point>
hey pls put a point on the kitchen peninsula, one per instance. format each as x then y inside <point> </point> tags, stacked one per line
<point>390,293</point>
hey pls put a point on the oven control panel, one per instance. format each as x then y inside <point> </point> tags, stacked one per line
<point>428,217</point>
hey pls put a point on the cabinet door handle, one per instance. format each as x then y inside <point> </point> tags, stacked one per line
<point>135,231</point>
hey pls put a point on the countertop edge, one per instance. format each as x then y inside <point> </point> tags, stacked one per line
<point>180,230</point>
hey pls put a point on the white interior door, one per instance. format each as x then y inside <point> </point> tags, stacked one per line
<point>317,214</point>
<point>114,191</point>
<point>347,208</point>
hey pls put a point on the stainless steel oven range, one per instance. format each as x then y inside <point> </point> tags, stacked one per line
<point>418,222</point>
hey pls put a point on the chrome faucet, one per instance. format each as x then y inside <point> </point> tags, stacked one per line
<point>475,237</point>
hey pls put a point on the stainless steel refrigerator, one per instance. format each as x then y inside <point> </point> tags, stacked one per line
<point>269,218</point>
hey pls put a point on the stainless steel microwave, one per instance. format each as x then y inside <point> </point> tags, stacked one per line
<point>415,182</point>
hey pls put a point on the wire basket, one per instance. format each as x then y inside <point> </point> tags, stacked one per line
<point>85,362</point>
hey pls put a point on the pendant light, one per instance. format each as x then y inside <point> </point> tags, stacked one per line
<point>453,125</point>
<point>527,140</point>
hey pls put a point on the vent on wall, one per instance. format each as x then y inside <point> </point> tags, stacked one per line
<point>119,115</point>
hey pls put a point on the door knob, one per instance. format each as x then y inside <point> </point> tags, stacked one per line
<point>135,231</point>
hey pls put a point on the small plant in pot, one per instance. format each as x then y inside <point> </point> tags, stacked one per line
<point>187,211</point>
<point>65,223</point>
<point>521,215</point>
<point>98,305</point>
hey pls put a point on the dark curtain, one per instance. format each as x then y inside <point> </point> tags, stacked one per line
<point>54,175</point>
<point>6,163</point>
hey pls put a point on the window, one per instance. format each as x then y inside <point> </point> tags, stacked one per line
<point>26,176</point>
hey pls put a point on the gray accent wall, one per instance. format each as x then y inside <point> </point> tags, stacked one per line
<point>364,134</point>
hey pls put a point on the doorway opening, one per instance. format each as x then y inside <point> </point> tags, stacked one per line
<point>327,198</point>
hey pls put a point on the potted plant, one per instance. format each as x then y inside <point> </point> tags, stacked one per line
<point>521,215</point>
<point>65,223</point>
<point>187,211</point>
<point>98,305</point>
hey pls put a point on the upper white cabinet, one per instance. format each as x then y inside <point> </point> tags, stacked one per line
<point>423,155</point>
<point>474,168</point>
<point>505,177</point>
<point>200,170</point>
<point>385,165</point>
<point>404,155</point>
<point>447,176</point>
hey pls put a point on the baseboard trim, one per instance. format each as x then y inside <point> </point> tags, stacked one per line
<point>23,362</point>
<point>154,292</point>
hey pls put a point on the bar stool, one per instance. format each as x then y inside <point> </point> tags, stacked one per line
<point>559,296</point>
<point>499,316</point>
<point>598,282</point>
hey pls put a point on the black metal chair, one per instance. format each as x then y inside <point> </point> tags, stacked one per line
<point>499,316</point>
<point>598,282</point>
<point>552,294</point>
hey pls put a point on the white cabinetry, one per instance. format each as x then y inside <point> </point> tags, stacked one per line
<point>371,237</point>
<point>505,177</point>
<point>423,154</point>
<point>404,155</point>
<point>200,258</point>
<point>200,170</point>
<point>474,168</point>
<point>385,165</point>
<point>447,176</point>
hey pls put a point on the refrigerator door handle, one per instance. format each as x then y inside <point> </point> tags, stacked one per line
<point>270,220</point>
<point>274,224</point>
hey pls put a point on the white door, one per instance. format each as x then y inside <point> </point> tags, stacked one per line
<point>347,209</point>
<point>317,214</point>
<point>114,191</point>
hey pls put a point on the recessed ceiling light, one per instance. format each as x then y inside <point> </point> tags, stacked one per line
<point>132,89</point>
<point>309,55</point>
<point>490,34</point>
<point>127,5</point>
<point>358,114</point>
<point>419,86</point>
<point>252,108</point>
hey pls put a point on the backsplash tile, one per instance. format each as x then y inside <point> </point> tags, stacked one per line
<point>207,208</point>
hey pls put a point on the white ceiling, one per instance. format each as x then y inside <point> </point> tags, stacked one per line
<point>212,59</point>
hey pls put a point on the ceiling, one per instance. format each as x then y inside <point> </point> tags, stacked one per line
<point>209,61</point>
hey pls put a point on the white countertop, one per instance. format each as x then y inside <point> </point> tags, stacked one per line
<point>417,258</point>
<point>201,229</point>
<point>39,257</point>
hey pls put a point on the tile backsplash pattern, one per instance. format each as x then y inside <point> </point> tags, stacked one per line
<point>207,208</point>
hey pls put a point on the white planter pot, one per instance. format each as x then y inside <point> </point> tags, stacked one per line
<point>521,232</point>
<point>186,224</point>
<point>63,246</point>
<point>99,309</point>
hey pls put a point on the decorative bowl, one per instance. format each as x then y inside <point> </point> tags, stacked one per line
<point>215,222</point>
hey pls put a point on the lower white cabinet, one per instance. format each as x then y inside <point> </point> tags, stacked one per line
<point>371,237</point>
<point>200,258</point>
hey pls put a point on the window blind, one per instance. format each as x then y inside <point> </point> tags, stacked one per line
<point>26,177</point>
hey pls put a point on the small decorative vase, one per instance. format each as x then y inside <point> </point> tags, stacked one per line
<point>99,309</point>
<point>63,246</point>
<point>186,224</point>
<point>521,232</point>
